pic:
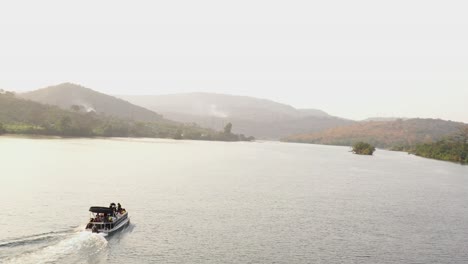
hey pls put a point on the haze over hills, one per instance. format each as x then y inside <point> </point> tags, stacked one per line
<point>313,112</point>
<point>250,116</point>
<point>396,134</point>
<point>66,95</point>
<point>23,116</point>
<point>261,118</point>
<point>384,119</point>
<point>258,117</point>
<point>18,115</point>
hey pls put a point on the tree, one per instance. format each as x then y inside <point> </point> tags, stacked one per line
<point>463,134</point>
<point>2,129</point>
<point>75,108</point>
<point>192,134</point>
<point>228,128</point>
<point>463,137</point>
<point>178,134</point>
<point>64,125</point>
<point>363,148</point>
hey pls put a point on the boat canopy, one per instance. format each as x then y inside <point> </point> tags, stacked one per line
<point>101,210</point>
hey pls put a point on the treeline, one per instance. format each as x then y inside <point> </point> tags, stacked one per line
<point>396,135</point>
<point>19,116</point>
<point>454,148</point>
<point>226,135</point>
<point>430,138</point>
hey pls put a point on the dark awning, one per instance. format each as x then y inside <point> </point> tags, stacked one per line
<point>101,210</point>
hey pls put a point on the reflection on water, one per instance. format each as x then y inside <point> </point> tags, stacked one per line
<point>214,202</point>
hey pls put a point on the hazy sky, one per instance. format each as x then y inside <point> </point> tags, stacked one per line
<point>353,59</point>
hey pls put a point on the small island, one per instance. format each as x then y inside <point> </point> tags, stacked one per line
<point>363,148</point>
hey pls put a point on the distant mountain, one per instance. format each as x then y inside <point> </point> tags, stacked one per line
<point>313,112</point>
<point>251,116</point>
<point>385,134</point>
<point>68,95</point>
<point>383,119</point>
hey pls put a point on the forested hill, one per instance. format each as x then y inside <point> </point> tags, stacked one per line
<point>68,96</point>
<point>252,116</point>
<point>21,116</point>
<point>28,117</point>
<point>397,134</point>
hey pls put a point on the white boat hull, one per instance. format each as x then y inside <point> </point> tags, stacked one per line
<point>106,231</point>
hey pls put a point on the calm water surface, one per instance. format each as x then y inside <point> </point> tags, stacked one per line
<point>211,202</point>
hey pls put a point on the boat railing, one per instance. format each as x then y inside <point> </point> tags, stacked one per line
<point>108,223</point>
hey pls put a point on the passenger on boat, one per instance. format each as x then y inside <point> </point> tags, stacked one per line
<point>98,218</point>
<point>120,210</point>
<point>112,206</point>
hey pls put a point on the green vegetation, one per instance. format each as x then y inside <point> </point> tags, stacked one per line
<point>454,148</point>
<point>19,116</point>
<point>228,128</point>
<point>2,129</point>
<point>363,148</point>
<point>442,150</point>
<point>430,138</point>
<point>227,135</point>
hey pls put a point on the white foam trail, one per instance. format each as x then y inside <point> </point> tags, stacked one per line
<point>83,244</point>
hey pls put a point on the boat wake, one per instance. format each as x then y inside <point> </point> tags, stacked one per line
<point>56,247</point>
<point>34,239</point>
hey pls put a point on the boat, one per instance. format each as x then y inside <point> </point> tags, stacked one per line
<point>107,220</point>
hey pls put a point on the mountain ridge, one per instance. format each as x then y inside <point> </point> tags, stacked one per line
<point>396,135</point>
<point>262,118</point>
<point>68,95</point>
<point>22,116</point>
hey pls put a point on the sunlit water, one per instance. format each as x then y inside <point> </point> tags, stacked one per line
<point>212,202</point>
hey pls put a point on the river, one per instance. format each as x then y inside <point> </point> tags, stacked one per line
<point>216,202</point>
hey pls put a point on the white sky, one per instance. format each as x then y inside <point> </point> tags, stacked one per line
<point>354,59</point>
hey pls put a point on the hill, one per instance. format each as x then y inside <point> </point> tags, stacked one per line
<point>21,116</point>
<point>399,134</point>
<point>258,117</point>
<point>28,117</point>
<point>68,95</point>
<point>313,112</point>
